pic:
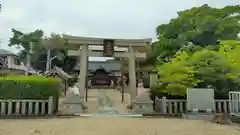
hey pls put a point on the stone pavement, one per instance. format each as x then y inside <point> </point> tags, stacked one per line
<point>110,99</point>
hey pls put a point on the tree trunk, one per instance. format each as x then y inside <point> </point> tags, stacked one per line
<point>28,64</point>
<point>48,60</point>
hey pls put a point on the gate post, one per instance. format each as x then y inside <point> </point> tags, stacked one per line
<point>132,73</point>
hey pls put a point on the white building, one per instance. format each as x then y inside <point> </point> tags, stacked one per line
<point>11,63</point>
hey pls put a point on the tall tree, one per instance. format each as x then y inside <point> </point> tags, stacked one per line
<point>202,26</point>
<point>58,54</point>
<point>54,42</point>
<point>216,69</point>
<point>28,41</point>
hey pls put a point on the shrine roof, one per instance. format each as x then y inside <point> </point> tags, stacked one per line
<point>60,72</point>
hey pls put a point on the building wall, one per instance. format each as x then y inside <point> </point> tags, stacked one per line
<point>15,63</point>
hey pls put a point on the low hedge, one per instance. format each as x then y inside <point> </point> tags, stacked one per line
<point>29,87</point>
<point>156,91</point>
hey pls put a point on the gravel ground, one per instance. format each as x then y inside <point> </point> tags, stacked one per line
<point>114,126</point>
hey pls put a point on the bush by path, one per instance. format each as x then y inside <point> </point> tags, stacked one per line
<point>29,87</point>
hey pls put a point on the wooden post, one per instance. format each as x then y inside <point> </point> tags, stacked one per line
<point>122,80</point>
<point>65,87</point>
<point>86,99</point>
<point>137,73</point>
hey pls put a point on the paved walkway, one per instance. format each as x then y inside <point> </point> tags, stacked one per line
<point>109,100</point>
<point>114,99</point>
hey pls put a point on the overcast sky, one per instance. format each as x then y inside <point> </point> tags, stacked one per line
<point>100,18</point>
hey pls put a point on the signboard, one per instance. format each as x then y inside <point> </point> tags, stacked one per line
<point>108,47</point>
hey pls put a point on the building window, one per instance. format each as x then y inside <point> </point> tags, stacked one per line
<point>17,62</point>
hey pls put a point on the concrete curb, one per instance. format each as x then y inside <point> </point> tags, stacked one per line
<point>144,115</point>
<point>78,115</point>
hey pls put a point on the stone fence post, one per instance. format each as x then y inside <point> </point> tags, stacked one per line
<point>164,105</point>
<point>50,105</point>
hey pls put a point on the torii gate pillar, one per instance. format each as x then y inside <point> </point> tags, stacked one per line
<point>83,70</point>
<point>132,74</point>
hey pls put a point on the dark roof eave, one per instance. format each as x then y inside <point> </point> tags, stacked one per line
<point>10,55</point>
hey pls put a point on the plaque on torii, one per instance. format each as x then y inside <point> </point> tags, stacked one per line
<point>108,47</point>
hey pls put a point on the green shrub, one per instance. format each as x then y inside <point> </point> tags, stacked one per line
<point>29,87</point>
<point>167,89</point>
<point>158,91</point>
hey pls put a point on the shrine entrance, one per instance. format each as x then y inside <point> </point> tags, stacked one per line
<point>100,79</point>
<point>128,50</point>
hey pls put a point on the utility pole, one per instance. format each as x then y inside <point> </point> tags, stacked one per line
<point>50,62</point>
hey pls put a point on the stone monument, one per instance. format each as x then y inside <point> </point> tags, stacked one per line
<point>200,104</point>
<point>143,104</point>
<point>73,104</point>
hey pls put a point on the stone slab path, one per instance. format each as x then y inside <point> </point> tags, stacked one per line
<point>109,100</point>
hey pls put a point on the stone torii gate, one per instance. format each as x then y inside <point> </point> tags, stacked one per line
<point>101,47</point>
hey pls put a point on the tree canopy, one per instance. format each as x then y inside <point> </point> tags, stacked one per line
<point>36,45</point>
<point>194,28</point>
<point>206,68</point>
<point>28,41</point>
<point>199,48</point>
